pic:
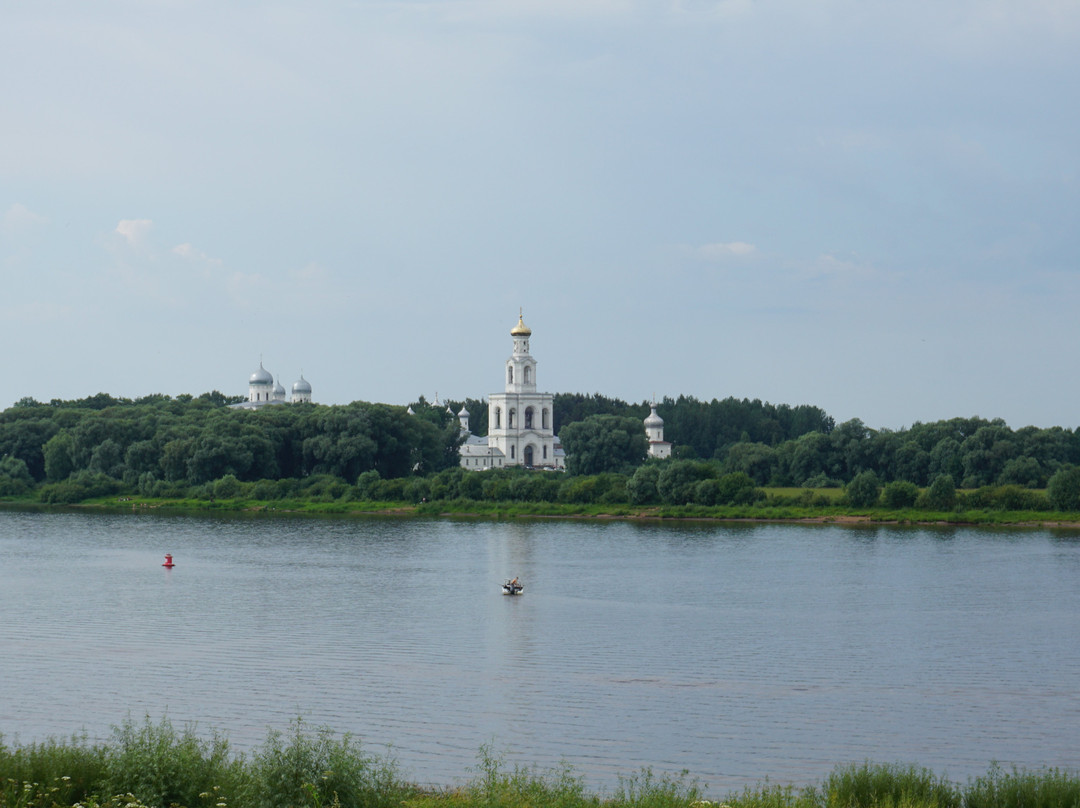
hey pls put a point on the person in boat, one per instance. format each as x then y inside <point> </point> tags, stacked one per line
<point>514,582</point>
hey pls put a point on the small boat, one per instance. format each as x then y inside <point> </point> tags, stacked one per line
<point>512,587</point>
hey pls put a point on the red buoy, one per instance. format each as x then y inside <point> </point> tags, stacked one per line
<point>168,561</point>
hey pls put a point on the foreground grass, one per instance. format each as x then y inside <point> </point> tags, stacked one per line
<point>152,765</point>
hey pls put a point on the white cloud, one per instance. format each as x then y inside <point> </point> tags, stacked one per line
<point>37,313</point>
<point>134,231</point>
<point>249,289</point>
<point>831,265</point>
<point>310,273</point>
<point>719,250</point>
<point>556,9</point>
<point>20,219</point>
<point>189,253</point>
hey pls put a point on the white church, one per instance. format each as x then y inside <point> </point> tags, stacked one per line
<point>264,391</point>
<point>520,419</point>
<point>520,430</point>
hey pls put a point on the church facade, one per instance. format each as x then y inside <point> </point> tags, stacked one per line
<point>263,391</point>
<point>520,419</point>
<point>654,432</point>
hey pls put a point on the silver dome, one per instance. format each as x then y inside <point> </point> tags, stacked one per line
<point>261,376</point>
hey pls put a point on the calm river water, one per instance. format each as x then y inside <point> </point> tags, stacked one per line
<point>736,652</point>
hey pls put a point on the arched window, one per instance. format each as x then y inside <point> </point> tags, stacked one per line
<point>528,455</point>
<point>509,375</point>
<point>528,374</point>
<point>545,451</point>
<point>528,417</point>
<point>498,417</point>
<point>510,419</point>
<point>512,452</point>
<point>544,419</point>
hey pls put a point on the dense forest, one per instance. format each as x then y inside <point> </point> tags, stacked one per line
<point>64,451</point>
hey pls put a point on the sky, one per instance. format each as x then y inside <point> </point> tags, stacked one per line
<point>864,205</point>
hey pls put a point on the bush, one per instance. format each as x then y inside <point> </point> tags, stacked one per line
<point>864,490</point>
<point>940,496</point>
<point>417,489</point>
<point>606,488</point>
<point>678,480</point>
<point>472,486</point>
<point>265,490</point>
<point>79,486</point>
<point>707,492</point>
<point>821,480</point>
<point>391,490</point>
<point>1063,489</point>
<point>287,488</point>
<point>228,487</point>
<point>641,487</point>
<point>1016,498</point>
<point>367,485</point>
<point>15,479</point>
<point>899,494</point>
<point>736,488</point>
<point>323,488</point>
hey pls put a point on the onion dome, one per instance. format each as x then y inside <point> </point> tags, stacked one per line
<point>302,385</point>
<point>653,420</point>
<point>464,413</point>
<point>279,390</point>
<point>520,330</point>
<point>261,376</point>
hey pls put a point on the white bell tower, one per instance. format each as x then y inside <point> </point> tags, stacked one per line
<point>520,423</point>
<point>521,367</point>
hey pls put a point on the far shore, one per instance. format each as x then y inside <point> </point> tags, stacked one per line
<point>489,510</point>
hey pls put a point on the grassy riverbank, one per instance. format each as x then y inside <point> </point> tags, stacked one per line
<point>773,509</point>
<point>154,765</point>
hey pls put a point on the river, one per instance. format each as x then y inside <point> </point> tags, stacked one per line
<point>735,652</point>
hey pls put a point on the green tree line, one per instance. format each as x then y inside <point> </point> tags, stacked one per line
<point>156,444</point>
<point>159,445</point>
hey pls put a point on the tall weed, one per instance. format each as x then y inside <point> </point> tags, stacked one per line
<point>317,770</point>
<point>162,767</point>
<point>888,786</point>
<point>51,772</point>
<point>1048,788</point>
<point>524,787</point>
<point>647,790</point>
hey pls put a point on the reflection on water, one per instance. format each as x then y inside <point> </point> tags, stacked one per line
<point>737,652</point>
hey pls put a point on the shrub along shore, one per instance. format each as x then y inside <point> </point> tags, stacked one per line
<point>152,765</point>
<point>672,489</point>
<point>776,508</point>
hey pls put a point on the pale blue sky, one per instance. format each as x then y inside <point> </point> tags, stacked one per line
<point>869,206</point>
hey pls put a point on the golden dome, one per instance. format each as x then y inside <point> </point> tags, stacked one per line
<point>520,330</point>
